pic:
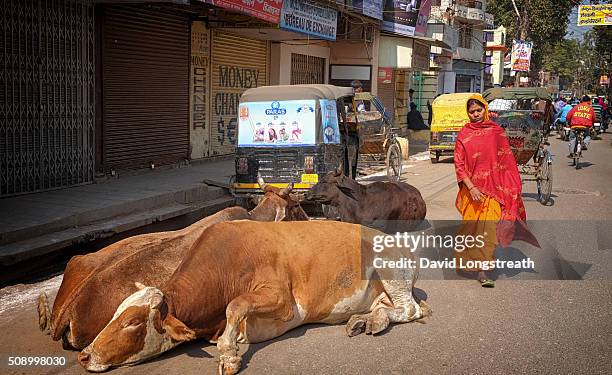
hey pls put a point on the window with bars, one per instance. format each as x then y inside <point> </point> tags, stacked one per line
<point>465,35</point>
<point>307,69</point>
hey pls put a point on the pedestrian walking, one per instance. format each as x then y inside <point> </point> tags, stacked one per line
<point>489,197</point>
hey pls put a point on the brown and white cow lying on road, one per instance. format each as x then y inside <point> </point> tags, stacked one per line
<point>106,277</point>
<point>366,204</point>
<point>247,282</point>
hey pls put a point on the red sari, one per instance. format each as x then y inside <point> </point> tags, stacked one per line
<point>482,153</point>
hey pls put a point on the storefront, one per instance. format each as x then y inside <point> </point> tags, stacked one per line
<point>144,87</point>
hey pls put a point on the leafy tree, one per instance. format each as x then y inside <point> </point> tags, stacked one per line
<point>547,23</point>
<point>562,60</point>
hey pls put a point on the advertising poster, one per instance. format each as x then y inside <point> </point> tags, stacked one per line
<point>370,8</point>
<point>329,123</point>
<point>521,55</point>
<point>308,18</point>
<point>400,16</point>
<point>594,15</point>
<point>424,11</point>
<point>267,10</point>
<point>277,124</point>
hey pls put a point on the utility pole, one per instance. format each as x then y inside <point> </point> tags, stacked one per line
<point>521,31</point>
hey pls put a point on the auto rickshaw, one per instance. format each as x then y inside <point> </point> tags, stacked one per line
<point>449,116</point>
<point>295,134</point>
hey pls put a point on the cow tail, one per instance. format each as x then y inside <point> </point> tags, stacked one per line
<point>44,313</point>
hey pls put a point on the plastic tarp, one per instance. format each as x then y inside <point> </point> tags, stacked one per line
<point>520,93</point>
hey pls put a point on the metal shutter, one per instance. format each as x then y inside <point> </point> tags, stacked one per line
<point>145,60</point>
<point>238,63</point>
<point>46,95</point>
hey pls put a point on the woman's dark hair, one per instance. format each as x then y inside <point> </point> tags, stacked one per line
<point>474,101</point>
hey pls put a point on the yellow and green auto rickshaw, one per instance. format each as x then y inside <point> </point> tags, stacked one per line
<point>449,116</point>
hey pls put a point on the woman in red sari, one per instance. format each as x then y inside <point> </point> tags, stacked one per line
<point>489,197</point>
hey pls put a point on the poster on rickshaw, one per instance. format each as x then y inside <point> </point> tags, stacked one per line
<point>277,123</point>
<point>329,121</point>
<point>521,55</point>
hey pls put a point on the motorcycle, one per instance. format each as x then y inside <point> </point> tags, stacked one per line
<point>596,130</point>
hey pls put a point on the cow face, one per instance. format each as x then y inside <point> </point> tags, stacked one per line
<point>277,204</point>
<point>140,329</point>
<point>330,188</point>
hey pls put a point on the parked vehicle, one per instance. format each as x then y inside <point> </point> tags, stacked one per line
<point>298,133</point>
<point>449,116</point>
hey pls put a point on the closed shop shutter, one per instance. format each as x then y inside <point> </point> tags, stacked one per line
<point>145,62</point>
<point>386,93</point>
<point>238,64</point>
<point>46,95</point>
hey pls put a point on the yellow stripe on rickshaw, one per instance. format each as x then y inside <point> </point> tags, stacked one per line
<point>239,185</point>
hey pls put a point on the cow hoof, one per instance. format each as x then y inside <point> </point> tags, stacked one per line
<point>377,322</point>
<point>229,365</point>
<point>355,325</point>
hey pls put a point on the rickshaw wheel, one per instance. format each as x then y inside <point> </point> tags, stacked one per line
<point>544,180</point>
<point>394,162</point>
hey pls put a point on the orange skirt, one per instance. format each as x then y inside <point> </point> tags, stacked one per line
<point>479,219</point>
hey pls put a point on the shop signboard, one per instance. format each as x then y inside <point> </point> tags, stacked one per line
<point>277,124</point>
<point>267,10</point>
<point>370,8</point>
<point>424,11</point>
<point>400,16</point>
<point>595,15</point>
<point>309,18</point>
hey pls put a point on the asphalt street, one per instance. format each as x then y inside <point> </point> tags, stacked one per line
<point>524,325</point>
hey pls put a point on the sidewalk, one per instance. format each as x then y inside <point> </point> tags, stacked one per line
<point>37,224</point>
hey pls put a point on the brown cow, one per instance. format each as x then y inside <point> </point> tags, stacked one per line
<point>108,275</point>
<point>255,281</point>
<point>286,206</point>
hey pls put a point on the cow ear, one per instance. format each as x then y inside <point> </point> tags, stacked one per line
<point>177,330</point>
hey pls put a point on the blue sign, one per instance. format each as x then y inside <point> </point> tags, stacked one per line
<point>276,109</point>
<point>305,17</point>
<point>329,123</point>
<point>277,124</point>
<point>370,8</point>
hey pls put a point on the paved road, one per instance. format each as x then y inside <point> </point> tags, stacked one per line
<point>535,326</point>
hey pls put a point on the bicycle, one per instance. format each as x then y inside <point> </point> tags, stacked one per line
<point>578,146</point>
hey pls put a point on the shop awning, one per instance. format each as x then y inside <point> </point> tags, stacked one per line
<point>432,42</point>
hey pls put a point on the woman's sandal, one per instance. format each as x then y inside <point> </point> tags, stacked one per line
<point>487,283</point>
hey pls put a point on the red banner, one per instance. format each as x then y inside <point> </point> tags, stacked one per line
<point>267,10</point>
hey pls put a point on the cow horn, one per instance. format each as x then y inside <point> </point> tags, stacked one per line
<point>338,171</point>
<point>261,182</point>
<point>285,192</point>
<point>139,285</point>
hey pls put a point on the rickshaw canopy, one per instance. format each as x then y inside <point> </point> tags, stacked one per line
<point>519,93</point>
<point>295,92</point>
<point>450,112</point>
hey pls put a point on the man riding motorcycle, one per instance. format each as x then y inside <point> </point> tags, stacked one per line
<point>581,118</point>
<point>561,115</point>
